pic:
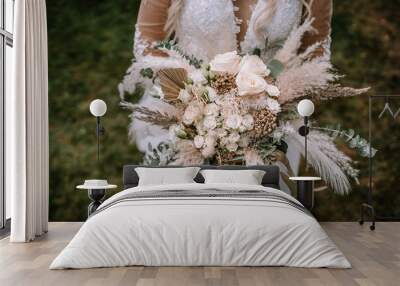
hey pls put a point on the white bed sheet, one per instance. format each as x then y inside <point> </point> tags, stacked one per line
<point>202,232</point>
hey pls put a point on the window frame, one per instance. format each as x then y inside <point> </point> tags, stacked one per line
<point>6,39</point>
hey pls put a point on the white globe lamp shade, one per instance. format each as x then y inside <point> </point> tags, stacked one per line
<point>98,107</point>
<point>305,108</point>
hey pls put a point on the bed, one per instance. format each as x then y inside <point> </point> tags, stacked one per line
<point>198,224</point>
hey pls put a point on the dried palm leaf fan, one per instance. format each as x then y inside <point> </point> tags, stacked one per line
<point>172,81</point>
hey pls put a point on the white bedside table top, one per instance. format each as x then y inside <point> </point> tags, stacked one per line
<point>87,187</point>
<point>305,178</point>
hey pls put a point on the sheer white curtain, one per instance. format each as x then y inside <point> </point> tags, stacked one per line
<point>27,158</point>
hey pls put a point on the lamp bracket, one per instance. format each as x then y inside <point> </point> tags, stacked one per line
<point>304,130</point>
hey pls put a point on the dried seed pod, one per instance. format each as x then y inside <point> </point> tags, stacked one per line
<point>265,122</point>
<point>224,83</point>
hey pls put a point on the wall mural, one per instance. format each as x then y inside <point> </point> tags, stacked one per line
<point>204,108</point>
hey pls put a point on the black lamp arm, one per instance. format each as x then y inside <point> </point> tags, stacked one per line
<point>100,131</point>
<point>303,131</point>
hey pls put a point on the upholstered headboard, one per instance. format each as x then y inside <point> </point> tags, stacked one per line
<point>271,177</point>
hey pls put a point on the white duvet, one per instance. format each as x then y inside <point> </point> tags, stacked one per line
<point>200,231</point>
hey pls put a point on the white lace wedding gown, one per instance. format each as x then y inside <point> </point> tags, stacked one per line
<point>206,28</point>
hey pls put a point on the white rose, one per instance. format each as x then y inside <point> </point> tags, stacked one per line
<point>273,105</point>
<point>173,130</point>
<point>221,132</point>
<point>197,76</point>
<point>232,147</point>
<point>184,96</point>
<point>198,141</point>
<point>207,152</point>
<point>253,64</point>
<point>250,84</point>
<point>228,62</point>
<point>209,122</point>
<point>213,134</point>
<point>210,141</point>
<point>193,112</point>
<point>211,109</point>
<point>248,121</point>
<point>233,121</point>
<point>212,94</point>
<point>177,132</point>
<point>234,137</point>
<point>272,90</point>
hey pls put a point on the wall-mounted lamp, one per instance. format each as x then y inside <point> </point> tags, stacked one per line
<point>305,108</point>
<point>98,108</point>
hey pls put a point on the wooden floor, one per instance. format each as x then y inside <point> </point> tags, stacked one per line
<point>375,257</point>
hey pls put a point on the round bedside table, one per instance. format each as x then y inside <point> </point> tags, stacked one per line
<point>305,190</point>
<point>96,195</point>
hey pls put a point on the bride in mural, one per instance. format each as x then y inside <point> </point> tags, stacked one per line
<point>196,60</point>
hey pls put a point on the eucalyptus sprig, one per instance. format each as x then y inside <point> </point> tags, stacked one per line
<point>159,155</point>
<point>172,46</point>
<point>353,140</point>
<point>268,146</point>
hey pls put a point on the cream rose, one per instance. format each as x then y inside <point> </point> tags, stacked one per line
<point>209,122</point>
<point>232,147</point>
<point>198,141</point>
<point>242,129</point>
<point>211,109</point>
<point>248,121</point>
<point>185,96</point>
<point>221,132</point>
<point>193,112</point>
<point>273,105</point>
<point>197,76</point>
<point>226,63</point>
<point>253,64</point>
<point>207,152</point>
<point>173,131</point>
<point>210,141</point>
<point>212,94</point>
<point>233,137</point>
<point>250,84</point>
<point>233,121</point>
<point>272,90</point>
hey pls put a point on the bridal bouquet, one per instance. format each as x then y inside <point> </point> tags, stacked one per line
<point>224,110</point>
<point>240,109</point>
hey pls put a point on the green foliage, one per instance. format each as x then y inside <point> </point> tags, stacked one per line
<point>90,49</point>
<point>147,72</point>
<point>276,67</point>
<point>353,140</point>
<point>171,45</point>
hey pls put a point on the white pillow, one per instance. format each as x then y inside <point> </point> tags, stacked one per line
<point>166,176</point>
<point>248,177</point>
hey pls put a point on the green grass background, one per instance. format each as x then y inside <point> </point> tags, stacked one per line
<point>90,48</point>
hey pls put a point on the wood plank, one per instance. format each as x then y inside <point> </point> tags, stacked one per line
<point>375,257</point>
